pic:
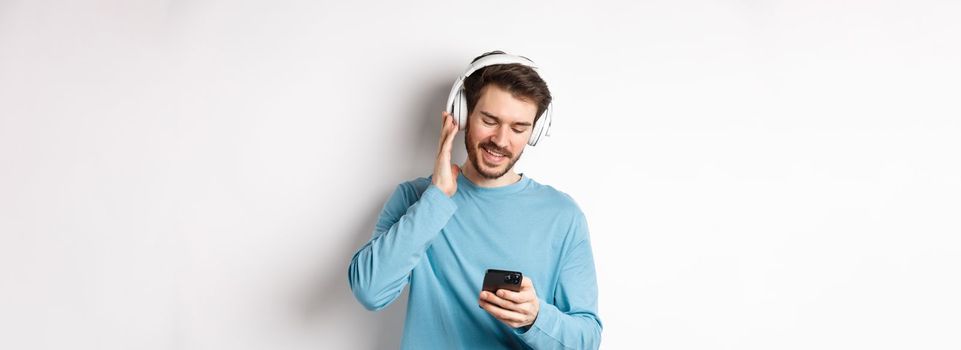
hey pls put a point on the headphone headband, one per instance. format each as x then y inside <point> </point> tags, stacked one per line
<point>495,59</point>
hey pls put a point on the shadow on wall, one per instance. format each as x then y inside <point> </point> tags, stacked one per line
<point>329,303</point>
<point>425,141</point>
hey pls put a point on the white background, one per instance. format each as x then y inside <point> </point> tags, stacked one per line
<point>756,174</point>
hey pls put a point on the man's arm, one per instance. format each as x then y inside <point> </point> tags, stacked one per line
<point>404,230</point>
<point>381,268</point>
<point>571,322</point>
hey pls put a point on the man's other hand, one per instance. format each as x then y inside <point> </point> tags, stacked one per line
<point>515,309</point>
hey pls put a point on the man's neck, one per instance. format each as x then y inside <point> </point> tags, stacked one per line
<point>508,178</point>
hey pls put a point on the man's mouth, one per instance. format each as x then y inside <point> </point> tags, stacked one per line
<point>493,157</point>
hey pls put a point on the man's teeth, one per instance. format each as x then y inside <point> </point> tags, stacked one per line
<point>493,153</point>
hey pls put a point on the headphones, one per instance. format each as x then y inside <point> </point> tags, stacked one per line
<point>457,100</point>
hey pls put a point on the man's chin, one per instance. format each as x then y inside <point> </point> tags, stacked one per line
<point>495,172</point>
<point>491,174</point>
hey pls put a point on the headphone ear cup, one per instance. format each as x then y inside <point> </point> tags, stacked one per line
<point>461,103</point>
<point>536,131</point>
<point>543,126</point>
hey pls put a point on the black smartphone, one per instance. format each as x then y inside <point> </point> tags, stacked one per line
<point>502,279</point>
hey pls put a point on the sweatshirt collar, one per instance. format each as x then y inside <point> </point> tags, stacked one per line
<point>506,189</point>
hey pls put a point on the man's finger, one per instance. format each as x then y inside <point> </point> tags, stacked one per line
<point>451,133</point>
<point>443,130</point>
<point>515,297</point>
<point>526,283</point>
<point>501,302</point>
<point>446,135</point>
<point>500,313</point>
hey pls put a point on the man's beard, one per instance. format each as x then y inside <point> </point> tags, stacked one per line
<point>472,156</point>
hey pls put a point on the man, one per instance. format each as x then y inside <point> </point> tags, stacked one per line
<point>440,234</point>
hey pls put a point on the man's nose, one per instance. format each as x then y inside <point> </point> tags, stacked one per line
<point>501,136</point>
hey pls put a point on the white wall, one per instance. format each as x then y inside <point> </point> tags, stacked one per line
<point>756,175</point>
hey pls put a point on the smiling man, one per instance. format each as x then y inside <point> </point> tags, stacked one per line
<point>441,233</point>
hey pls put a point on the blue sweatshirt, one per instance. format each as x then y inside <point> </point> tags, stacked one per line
<point>441,246</point>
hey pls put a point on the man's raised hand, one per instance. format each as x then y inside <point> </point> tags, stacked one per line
<point>445,172</point>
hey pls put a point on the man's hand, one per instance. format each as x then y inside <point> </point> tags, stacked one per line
<point>445,173</point>
<point>515,309</point>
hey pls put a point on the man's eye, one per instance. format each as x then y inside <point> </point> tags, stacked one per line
<point>489,122</point>
<point>519,131</point>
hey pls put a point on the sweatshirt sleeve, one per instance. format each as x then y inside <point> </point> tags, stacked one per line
<point>572,321</point>
<point>381,268</point>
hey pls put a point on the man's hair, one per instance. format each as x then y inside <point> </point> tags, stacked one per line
<point>519,80</point>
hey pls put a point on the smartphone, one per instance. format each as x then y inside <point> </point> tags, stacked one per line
<point>502,279</point>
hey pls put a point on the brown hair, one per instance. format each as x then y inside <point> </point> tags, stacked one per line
<point>520,80</point>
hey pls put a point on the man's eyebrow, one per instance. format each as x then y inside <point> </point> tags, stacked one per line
<point>485,113</point>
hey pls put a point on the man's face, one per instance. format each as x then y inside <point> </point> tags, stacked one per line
<point>497,131</point>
